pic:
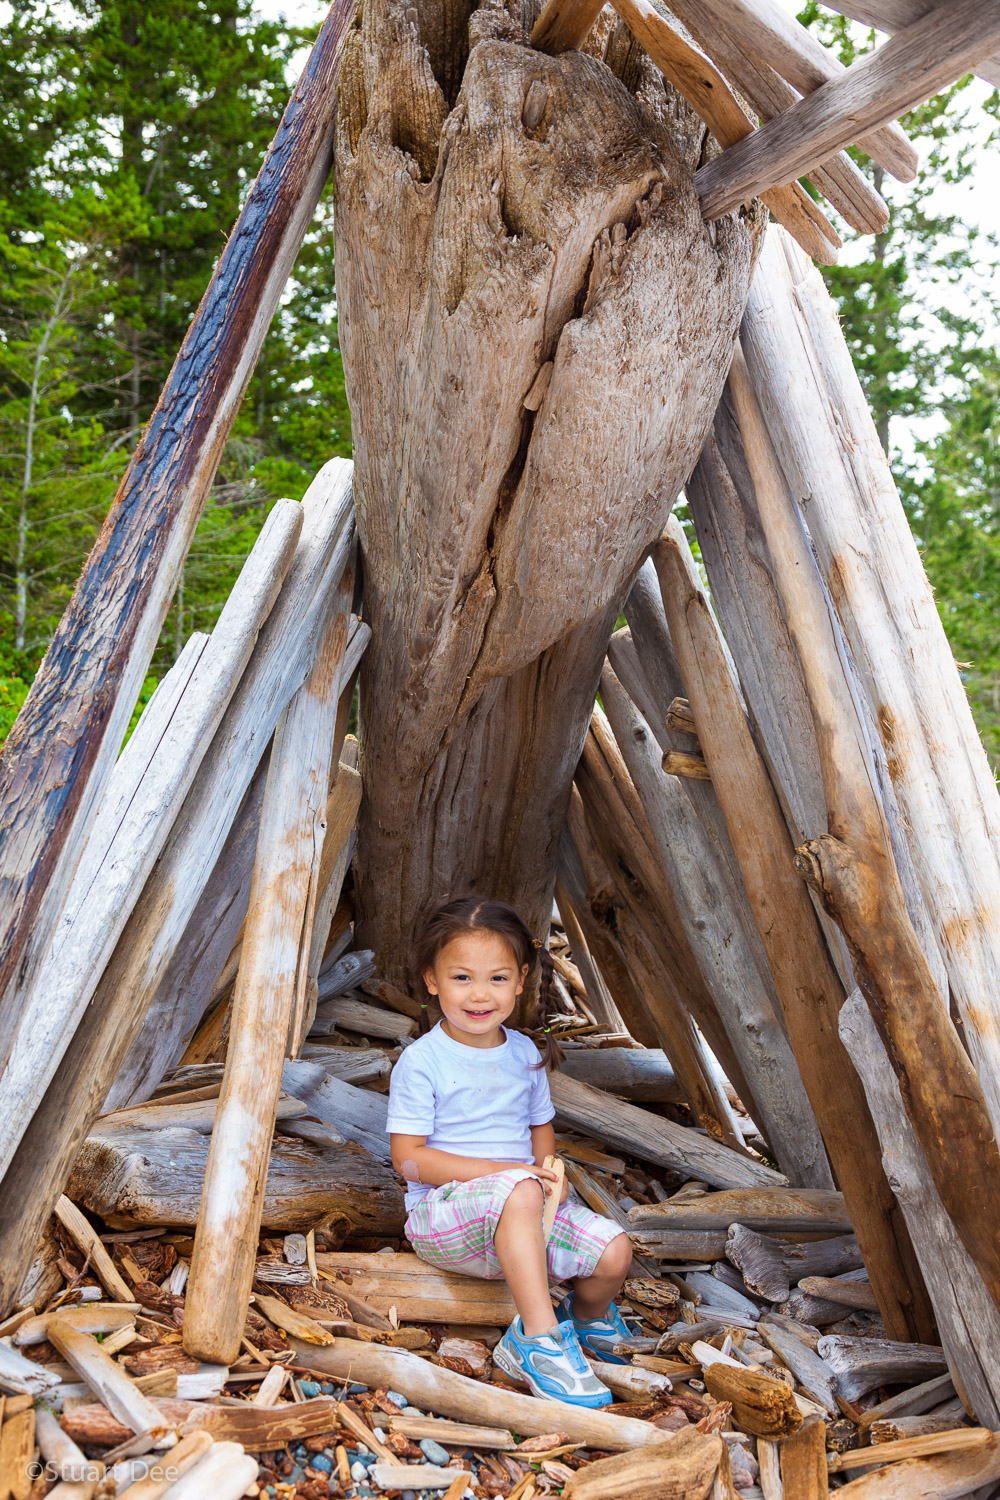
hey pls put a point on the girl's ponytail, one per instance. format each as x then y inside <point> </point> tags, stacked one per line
<point>547,1008</point>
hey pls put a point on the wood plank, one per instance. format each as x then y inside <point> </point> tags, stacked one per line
<point>564,25</point>
<point>77,1091</point>
<point>225,1472</point>
<point>894,15</point>
<point>682,1468</point>
<point>943,1478</point>
<point>420,1293</point>
<point>905,71</point>
<point>808,986</point>
<point>819,420</point>
<point>69,732</point>
<point>777,40</point>
<point>707,91</point>
<point>652,1138</point>
<point>957,1440</point>
<point>183,1456</point>
<point>433,1388</point>
<point>17,1448</point>
<point>803,1462</point>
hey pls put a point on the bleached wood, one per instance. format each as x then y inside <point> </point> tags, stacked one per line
<point>223,1473</point>
<point>347,972</point>
<point>828,447</point>
<point>957,1440</point>
<point>369,1020</point>
<point>775,1209</point>
<point>58,1450</point>
<point>806,981</point>
<point>640,1074</point>
<point>144,795</point>
<point>433,1388</point>
<point>77,1091</point>
<point>728,955</point>
<point>775,38</point>
<point>183,1457</point>
<point>271,981</point>
<point>917,1399</point>
<point>860,1365</point>
<point>185,990</point>
<point>707,91</point>
<point>894,15</point>
<point>906,70</point>
<point>20,1375</point>
<point>360,1114</point>
<point>110,1383</point>
<point>92,1317</point>
<point>652,1138</point>
<point>805,1364</point>
<point>85,1237</point>
<point>968,1321</point>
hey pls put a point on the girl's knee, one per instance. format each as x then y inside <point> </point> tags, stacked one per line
<point>525,1196</point>
<point>616,1259</point>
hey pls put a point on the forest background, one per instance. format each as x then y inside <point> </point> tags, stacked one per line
<point>129,134</point>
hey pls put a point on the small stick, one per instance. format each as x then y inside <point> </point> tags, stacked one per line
<point>958,1439</point>
<point>347,1419</point>
<point>86,1238</point>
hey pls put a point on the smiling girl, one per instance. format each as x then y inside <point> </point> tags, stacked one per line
<point>470,1125</point>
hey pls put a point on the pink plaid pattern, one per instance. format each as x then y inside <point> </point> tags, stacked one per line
<point>453,1227</point>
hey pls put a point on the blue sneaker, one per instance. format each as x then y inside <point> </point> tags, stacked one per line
<point>610,1327</point>
<point>551,1365</point>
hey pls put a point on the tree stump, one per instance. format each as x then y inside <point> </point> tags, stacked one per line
<point>536,325</point>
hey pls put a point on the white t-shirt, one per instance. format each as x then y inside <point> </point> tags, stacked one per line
<point>471,1101</point>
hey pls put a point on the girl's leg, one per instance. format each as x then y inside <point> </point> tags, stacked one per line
<point>594,1294</point>
<point>520,1248</point>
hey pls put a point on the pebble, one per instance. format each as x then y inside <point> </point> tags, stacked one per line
<point>397,1399</point>
<point>320,1461</point>
<point>409,1495</point>
<point>355,1387</point>
<point>309,1387</point>
<point>379,1433</point>
<point>358,1471</point>
<point>412,1411</point>
<point>433,1452</point>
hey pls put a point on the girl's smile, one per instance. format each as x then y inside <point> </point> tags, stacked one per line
<point>477,981</point>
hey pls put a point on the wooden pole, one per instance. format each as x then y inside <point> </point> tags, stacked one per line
<point>271,982</point>
<point>853,871</point>
<point>60,753</point>
<point>806,982</point>
<point>819,421</point>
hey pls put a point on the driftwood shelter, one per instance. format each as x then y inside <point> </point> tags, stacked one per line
<point>773,848</point>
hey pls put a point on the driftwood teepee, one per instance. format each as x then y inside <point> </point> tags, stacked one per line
<point>778,835</point>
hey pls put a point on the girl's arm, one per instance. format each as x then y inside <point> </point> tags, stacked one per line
<point>418,1162</point>
<point>543,1144</point>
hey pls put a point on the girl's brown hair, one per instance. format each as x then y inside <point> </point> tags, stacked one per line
<point>481,914</point>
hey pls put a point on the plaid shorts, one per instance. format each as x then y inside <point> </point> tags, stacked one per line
<point>453,1227</point>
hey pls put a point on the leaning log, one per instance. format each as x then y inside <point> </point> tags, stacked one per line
<point>77,1091</point>
<point>270,986</point>
<point>853,871</point>
<point>62,748</point>
<point>807,983</point>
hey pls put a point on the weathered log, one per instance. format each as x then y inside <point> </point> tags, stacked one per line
<point>943,1418</point>
<point>143,797</point>
<point>845,1290</point>
<point>919,1398</point>
<point>23,1376</point>
<point>761,1405</point>
<point>805,1364</point>
<point>707,91</point>
<point>369,1020</point>
<point>652,1138</point>
<point>955,1440</point>
<point>420,1293</point>
<point>62,1456</point>
<point>728,953</point>
<point>770,1267</point>
<point>255,1427</point>
<point>859,1365</point>
<point>639,1074</point>
<point>780,1210</point>
<point>182,1457</point>
<point>806,981</point>
<point>903,72</point>
<point>134,1178</point>
<point>433,1388</point>
<point>503,645</point>
<point>819,420</point>
<point>61,751</point>
<point>853,871</point>
<point>944,1478</point>
<point>681,1469</point>
<point>357,1113</point>
<point>77,1091</point>
<point>803,1462</point>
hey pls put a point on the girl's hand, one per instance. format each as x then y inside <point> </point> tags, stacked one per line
<point>548,1178</point>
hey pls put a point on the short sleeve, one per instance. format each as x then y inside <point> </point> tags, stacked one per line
<point>540,1107</point>
<point>411,1096</point>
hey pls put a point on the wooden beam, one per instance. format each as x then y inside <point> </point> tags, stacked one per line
<point>853,871</point>
<point>61,751</point>
<point>807,983</point>
<point>894,15</point>
<point>777,40</point>
<point>705,89</point>
<point>915,64</point>
<point>564,26</point>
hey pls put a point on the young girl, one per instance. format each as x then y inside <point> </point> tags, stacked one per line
<point>470,1126</point>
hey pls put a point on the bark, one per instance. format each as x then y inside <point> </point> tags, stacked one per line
<point>535,204</point>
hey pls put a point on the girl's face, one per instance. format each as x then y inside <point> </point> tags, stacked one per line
<point>477,980</point>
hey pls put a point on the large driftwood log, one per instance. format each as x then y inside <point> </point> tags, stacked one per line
<point>136,1177</point>
<point>853,870</point>
<point>566,225</point>
<point>419,1292</point>
<point>144,795</point>
<point>359,1113</point>
<point>808,986</point>
<point>61,751</point>
<point>774,1209</point>
<point>76,1093</point>
<point>967,1317</point>
<point>727,953</point>
<point>639,1074</point>
<point>270,987</point>
<point>819,420</point>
